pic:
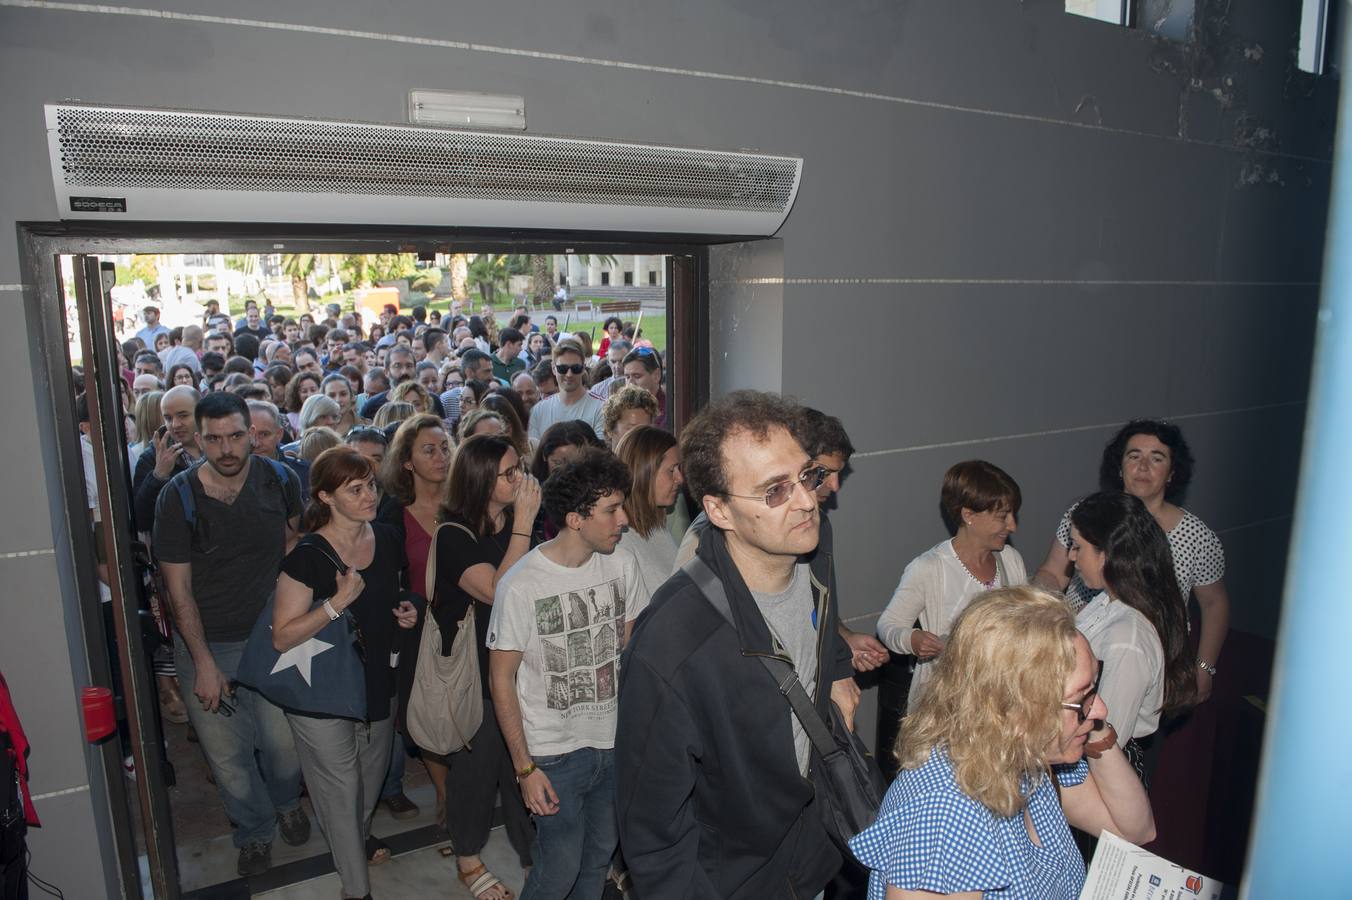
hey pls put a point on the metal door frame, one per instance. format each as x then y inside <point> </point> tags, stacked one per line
<point>41,245</point>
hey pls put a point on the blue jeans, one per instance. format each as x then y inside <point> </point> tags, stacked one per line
<point>252,798</point>
<point>394,772</point>
<point>573,847</point>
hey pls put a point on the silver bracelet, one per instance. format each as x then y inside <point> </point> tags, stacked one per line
<point>1206,667</point>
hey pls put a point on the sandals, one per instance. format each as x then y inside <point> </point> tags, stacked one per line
<point>480,881</point>
<point>377,851</point>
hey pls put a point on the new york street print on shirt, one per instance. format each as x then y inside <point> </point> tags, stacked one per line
<point>579,634</point>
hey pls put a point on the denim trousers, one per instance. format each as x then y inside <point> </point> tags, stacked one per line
<point>573,847</point>
<point>251,752</point>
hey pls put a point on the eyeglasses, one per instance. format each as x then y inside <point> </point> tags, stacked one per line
<point>514,473</point>
<point>1084,706</point>
<point>574,369</point>
<point>779,493</point>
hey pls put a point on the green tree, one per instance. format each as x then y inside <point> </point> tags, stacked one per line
<point>298,267</point>
<point>459,277</point>
<point>488,271</point>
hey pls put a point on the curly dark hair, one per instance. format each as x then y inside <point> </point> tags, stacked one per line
<point>1138,568</point>
<point>578,485</point>
<point>1168,434</point>
<point>823,434</point>
<point>754,412</point>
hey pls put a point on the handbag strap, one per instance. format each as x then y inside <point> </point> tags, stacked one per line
<point>786,679</point>
<point>430,572</point>
<point>312,541</point>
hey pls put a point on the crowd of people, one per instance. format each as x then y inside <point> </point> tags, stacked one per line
<point>507,484</point>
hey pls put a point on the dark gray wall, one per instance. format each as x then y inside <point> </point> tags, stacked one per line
<point>1016,229</point>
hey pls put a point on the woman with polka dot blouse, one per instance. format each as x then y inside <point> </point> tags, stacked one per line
<point>1150,459</point>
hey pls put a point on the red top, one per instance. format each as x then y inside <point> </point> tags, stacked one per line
<point>417,544</point>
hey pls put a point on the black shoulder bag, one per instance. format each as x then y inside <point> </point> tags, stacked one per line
<point>848,782</point>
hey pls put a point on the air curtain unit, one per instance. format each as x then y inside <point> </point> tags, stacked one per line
<point>118,163</point>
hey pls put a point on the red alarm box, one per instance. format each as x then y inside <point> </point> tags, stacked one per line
<point>100,720</point>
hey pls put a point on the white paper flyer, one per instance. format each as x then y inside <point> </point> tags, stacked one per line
<point>1123,871</point>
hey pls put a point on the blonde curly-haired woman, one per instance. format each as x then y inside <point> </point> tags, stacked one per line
<point>1011,712</point>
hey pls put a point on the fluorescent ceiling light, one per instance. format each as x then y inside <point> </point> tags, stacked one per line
<point>463,108</point>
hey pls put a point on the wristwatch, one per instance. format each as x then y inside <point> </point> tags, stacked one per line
<point>1206,667</point>
<point>332,613</point>
<point>1095,748</point>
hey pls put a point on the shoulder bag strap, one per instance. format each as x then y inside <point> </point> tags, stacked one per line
<point>430,572</point>
<point>309,541</point>
<point>786,679</point>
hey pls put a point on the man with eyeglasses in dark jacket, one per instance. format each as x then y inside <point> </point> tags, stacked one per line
<point>714,799</point>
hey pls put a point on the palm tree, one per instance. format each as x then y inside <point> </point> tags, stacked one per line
<point>299,266</point>
<point>459,277</point>
<point>488,271</point>
<point>541,279</point>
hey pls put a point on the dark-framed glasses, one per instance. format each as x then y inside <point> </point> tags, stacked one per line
<point>779,493</point>
<point>513,473</point>
<point>1083,708</point>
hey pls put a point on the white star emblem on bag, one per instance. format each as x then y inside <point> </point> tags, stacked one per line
<point>300,657</point>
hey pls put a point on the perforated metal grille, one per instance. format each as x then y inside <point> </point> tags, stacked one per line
<point>102,147</point>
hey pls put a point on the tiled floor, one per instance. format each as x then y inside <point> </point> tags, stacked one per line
<point>422,873</point>
<point>213,861</point>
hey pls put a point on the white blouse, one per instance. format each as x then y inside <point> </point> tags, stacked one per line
<point>1133,664</point>
<point>935,587</point>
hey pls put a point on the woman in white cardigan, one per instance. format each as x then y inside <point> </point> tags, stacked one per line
<point>980,505</point>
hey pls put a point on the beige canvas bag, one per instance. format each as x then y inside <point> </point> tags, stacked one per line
<point>445,707</point>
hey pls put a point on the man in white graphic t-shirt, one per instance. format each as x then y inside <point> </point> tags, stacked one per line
<point>561,616</point>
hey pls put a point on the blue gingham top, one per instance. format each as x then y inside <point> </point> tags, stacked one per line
<point>931,836</point>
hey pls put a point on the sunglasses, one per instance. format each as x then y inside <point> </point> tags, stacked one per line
<point>779,493</point>
<point>574,369</point>
<point>1083,708</point>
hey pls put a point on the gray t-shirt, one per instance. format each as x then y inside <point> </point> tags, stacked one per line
<point>235,549</point>
<point>656,555</point>
<point>789,616</point>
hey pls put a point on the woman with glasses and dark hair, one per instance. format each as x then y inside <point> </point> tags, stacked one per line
<point>180,373</point>
<point>1150,459</point>
<point>488,493</point>
<point>354,564</point>
<point>654,462</point>
<point>993,768</point>
<point>980,504</point>
<point>472,393</point>
<point>1135,623</point>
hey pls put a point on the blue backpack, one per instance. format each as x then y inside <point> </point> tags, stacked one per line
<point>281,470</point>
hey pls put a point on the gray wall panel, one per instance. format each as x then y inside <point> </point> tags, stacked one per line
<point>62,847</point>
<point>746,345</point>
<point>40,672</point>
<point>959,362</point>
<point>1007,142</point>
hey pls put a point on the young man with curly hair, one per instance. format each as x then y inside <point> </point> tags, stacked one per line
<point>561,616</point>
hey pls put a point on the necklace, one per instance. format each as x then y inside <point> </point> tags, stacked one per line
<point>988,585</point>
